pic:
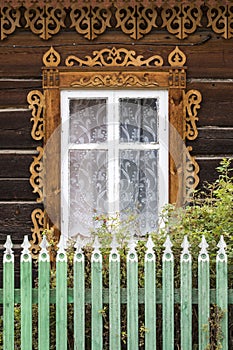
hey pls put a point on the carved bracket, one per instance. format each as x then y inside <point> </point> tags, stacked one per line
<point>36,103</point>
<point>38,220</point>
<point>192,100</point>
<point>191,178</point>
<point>37,172</point>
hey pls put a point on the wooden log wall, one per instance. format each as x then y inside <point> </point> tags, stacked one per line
<point>210,70</point>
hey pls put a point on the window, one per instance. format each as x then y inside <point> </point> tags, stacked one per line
<point>100,152</point>
<point>114,157</point>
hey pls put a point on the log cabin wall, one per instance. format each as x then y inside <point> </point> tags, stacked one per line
<point>209,52</point>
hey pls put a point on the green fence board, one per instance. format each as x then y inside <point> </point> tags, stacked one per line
<point>114,301</point>
<point>8,297</point>
<point>97,300</point>
<point>26,296</point>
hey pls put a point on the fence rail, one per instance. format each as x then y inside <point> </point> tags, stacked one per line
<point>132,296</point>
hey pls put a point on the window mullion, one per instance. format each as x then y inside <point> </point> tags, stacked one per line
<point>112,125</point>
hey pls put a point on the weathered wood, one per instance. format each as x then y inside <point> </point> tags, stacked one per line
<point>213,141</point>
<point>217,102</point>
<point>16,189</point>
<point>15,130</point>
<point>15,219</point>
<point>15,94</point>
<point>15,165</point>
<point>207,55</point>
<point>208,170</point>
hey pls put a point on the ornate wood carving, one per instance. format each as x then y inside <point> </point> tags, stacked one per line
<point>136,21</point>
<point>220,19</point>
<point>36,170</point>
<point>181,20</point>
<point>176,58</point>
<point>90,21</point>
<point>36,104</point>
<point>112,67</point>
<point>38,220</point>
<point>192,100</point>
<point>114,58</point>
<point>191,178</point>
<point>117,79</point>
<point>9,20</point>
<point>45,21</point>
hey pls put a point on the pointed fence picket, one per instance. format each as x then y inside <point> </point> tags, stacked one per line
<point>114,295</point>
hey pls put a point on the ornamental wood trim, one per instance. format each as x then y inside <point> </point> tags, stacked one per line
<point>110,68</point>
<point>135,20</point>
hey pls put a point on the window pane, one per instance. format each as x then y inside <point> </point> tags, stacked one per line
<point>88,189</point>
<point>139,187</point>
<point>88,121</point>
<point>138,119</point>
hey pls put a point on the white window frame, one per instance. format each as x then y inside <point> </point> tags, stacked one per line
<point>112,95</point>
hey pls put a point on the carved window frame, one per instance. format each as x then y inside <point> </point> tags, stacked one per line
<point>109,68</point>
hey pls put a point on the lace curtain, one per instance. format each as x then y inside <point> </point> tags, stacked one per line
<point>127,158</point>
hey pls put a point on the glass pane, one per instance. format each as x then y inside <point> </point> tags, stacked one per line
<point>88,121</point>
<point>139,187</point>
<point>88,189</point>
<point>138,119</point>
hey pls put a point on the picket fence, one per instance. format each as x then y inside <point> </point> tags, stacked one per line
<point>114,296</point>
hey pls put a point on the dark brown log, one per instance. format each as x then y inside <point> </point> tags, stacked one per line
<point>208,55</point>
<point>213,141</point>
<point>15,95</point>
<point>15,130</point>
<point>208,172</point>
<point>16,189</point>
<point>15,220</point>
<point>15,165</point>
<point>217,102</point>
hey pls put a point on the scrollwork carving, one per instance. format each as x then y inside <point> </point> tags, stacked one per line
<point>45,21</point>
<point>114,80</point>
<point>136,21</point>
<point>90,21</point>
<point>36,170</point>
<point>36,104</point>
<point>176,58</point>
<point>181,20</point>
<point>220,18</point>
<point>114,57</point>
<point>191,178</point>
<point>38,220</point>
<point>192,100</point>
<point>51,58</point>
<point>9,20</point>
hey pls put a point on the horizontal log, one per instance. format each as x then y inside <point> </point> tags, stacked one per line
<point>208,55</point>
<point>15,220</point>
<point>16,189</point>
<point>14,93</point>
<point>213,141</point>
<point>15,130</point>
<point>15,165</point>
<point>217,102</point>
<point>208,172</point>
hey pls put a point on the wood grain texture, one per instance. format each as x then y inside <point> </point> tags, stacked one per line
<point>16,189</point>
<point>217,102</point>
<point>15,165</point>
<point>15,220</point>
<point>213,141</point>
<point>15,130</point>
